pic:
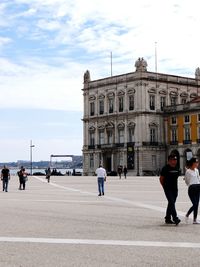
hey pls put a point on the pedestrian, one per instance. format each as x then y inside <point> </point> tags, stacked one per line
<point>192,180</point>
<point>48,174</point>
<point>119,170</point>
<point>22,178</point>
<point>169,181</point>
<point>101,178</point>
<point>125,171</point>
<point>5,177</point>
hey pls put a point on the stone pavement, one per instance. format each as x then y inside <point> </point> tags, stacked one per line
<point>65,223</point>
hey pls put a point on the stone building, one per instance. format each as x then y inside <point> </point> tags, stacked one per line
<point>124,121</point>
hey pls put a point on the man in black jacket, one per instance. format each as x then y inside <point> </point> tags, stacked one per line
<point>169,181</point>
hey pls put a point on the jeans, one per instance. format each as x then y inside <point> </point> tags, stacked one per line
<point>101,185</point>
<point>171,195</point>
<point>194,193</point>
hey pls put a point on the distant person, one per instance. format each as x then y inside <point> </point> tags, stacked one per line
<point>119,170</point>
<point>48,174</point>
<point>5,177</point>
<point>169,181</point>
<point>125,171</point>
<point>192,180</point>
<point>22,178</point>
<point>101,178</point>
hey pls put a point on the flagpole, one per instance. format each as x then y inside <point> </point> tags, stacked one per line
<point>156,67</point>
<point>111,63</point>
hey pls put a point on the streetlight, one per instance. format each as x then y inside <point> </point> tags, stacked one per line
<point>31,148</point>
<point>137,144</point>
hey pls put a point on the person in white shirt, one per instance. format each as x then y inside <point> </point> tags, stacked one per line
<point>101,177</point>
<point>192,180</point>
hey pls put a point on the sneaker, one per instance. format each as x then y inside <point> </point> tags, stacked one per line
<point>196,222</point>
<point>103,193</point>
<point>169,222</point>
<point>177,221</point>
<point>99,195</point>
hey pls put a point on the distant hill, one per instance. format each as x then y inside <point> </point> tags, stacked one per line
<point>76,163</point>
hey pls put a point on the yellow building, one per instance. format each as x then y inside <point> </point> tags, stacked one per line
<point>182,124</point>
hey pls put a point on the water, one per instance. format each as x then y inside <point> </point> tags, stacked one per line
<point>63,171</point>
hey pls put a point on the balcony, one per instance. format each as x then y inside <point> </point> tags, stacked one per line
<point>174,143</point>
<point>119,144</point>
<point>187,142</point>
<point>91,147</point>
<point>152,144</point>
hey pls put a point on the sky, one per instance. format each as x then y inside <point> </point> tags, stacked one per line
<point>46,46</point>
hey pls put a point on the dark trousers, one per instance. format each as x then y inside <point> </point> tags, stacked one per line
<point>194,193</point>
<point>5,184</point>
<point>171,195</point>
<point>22,183</point>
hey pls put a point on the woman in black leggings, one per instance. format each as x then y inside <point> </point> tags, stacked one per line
<point>192,179</point>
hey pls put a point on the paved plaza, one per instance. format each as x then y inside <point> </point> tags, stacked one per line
<point>66,223</point>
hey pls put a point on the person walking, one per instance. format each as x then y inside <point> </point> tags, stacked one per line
<point>169,181</point>
<point>125,171</point>
<point>101,178</point>
<point>22,178</point>
<point>192,180</point>
<point>48,174</point>
<point>119,170</point>
<point>5,177</point>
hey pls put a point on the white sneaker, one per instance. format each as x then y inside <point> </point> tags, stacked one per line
<point>196,222</point>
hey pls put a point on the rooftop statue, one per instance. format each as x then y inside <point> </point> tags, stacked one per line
<point>141,64</point>
<point>86,76</point>
<point>197,73</point>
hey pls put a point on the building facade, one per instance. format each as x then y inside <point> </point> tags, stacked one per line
<point>125,122</point>
<point>183,130</point>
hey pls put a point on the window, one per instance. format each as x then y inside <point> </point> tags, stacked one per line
<point>110,137</point>
<point>101,106</point>
<point>174,135</point>
<point>173,120</point>
<point>187,134</point>
<point>131,134</point>
<point>92,109</point>
<point>162,102</point>
<point>101,137</point>
<point>186,118</point>
<point>152,135</point>
<point>121,135</point>
<point>173,100</point>
<point>92,139</point>
<point>131,102</point>
<point>110,105</point>
<point>91,160</point>
<point>152,102</point>
<point>121,104</point>
<point>183,100</point>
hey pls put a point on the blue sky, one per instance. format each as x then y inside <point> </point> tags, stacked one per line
<point>46,46</point>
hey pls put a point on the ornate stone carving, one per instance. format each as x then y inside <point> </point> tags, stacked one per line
<point>141,64</point>
<point>86,76</point>
<point>197,73</point>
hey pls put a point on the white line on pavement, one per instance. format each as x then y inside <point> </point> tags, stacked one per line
<point>100,242</point>
<point>120,200</point>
